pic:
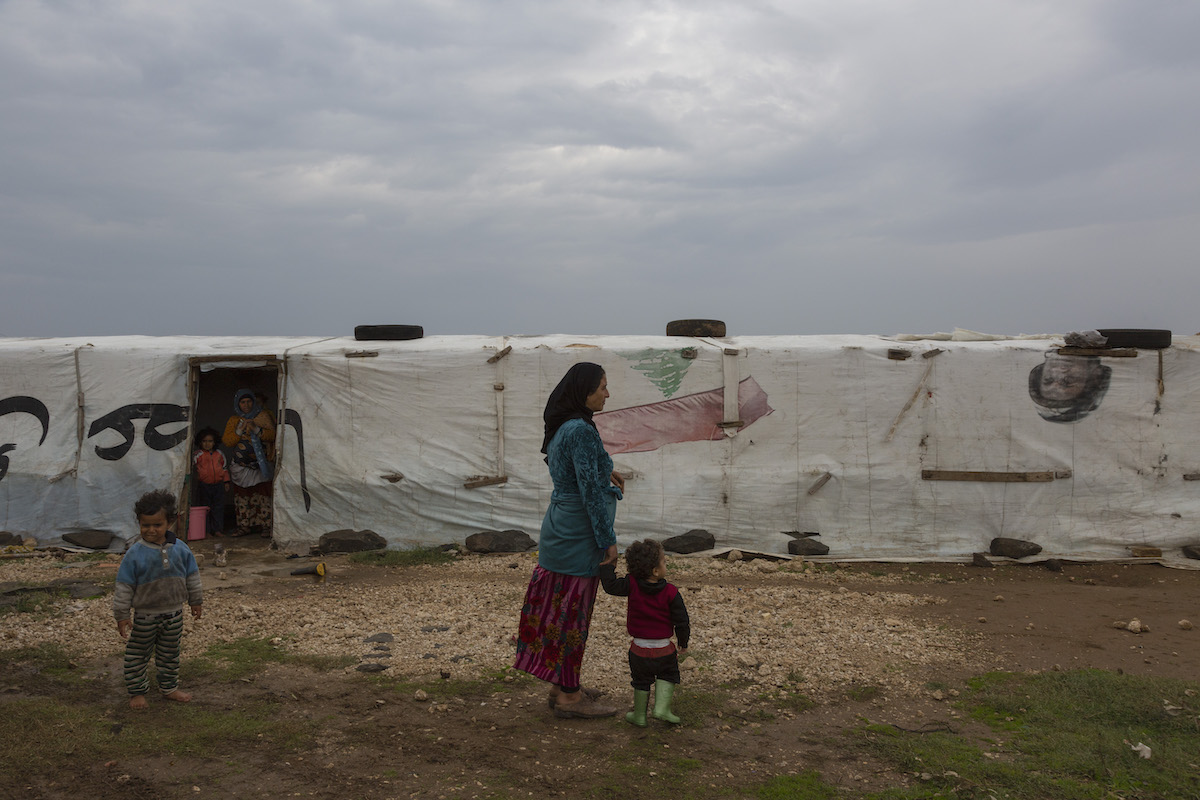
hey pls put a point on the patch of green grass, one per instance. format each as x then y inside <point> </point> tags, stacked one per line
<point>35,602</point>
<point>42,734</point>
<point>796,702</point>
<point>696,706</point>
<point>47,665</point>
<point>418,556</point>
<point>244,657</point>
<point>805,786</point>
<point>1062,735</point>
<point>862,692</point>
<point>654,770</point>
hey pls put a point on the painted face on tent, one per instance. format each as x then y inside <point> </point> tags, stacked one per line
<point>595,400</point>
<point>153,527</point>
<point>1063,379</point>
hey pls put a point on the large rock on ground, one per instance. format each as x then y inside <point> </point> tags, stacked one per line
<point>1013,548</point>
<point>1192,550</point>
<point>348,541</point>
<point>694,541</point>
<point>92,540</point>
<point>511,541</point>
<point>7,539</point>
<point>807,546</point>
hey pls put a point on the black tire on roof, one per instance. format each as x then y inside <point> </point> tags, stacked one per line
<point>696,327</point>
<point>387,333</point>
<point>1146,338</point>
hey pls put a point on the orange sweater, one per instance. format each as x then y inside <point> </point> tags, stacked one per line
<point>210,466</point>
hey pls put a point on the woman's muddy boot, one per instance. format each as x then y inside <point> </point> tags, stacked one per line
<point>662,701</point>
<point>641,698</point>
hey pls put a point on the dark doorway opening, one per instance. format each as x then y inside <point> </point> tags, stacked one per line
<point>215,384</point>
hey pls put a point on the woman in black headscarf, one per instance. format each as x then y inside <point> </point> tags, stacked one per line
<point>576,537</point>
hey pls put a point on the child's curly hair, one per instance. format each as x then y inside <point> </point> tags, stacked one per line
<point>207,432</point>
<point>642,557</point>
<point>154,502</point>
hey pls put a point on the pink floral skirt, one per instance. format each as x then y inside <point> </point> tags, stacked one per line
<point>554,626</point>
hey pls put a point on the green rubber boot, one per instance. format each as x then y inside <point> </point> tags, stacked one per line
<point>662,701</point>
<point>641,698</point>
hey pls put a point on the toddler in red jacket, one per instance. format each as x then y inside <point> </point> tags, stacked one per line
<point>655,611</point>
<point>212,480</point>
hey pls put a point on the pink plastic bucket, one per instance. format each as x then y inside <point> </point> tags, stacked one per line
<point>197,522</point>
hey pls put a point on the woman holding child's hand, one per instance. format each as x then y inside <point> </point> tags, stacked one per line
<point>576,537</point>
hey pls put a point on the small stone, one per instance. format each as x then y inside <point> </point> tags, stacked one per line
<point>938,695</point>
<point>1054,565</point>
<point>734,555</point>
<point>998,598</point>
<point>1185,625</point>
<point>1029,627</point>
<point>983,619</point>
<point>1136,626</point>
<point>372,667</point>
<point>1120,624</point>
<point>420,696</point>
<point>221,576</point>
<point>981,560</point>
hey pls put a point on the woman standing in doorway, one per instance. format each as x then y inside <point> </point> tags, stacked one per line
<point>576,537</point>
<point>250,434</point>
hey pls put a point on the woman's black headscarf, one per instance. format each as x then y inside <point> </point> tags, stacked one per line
<point>569,399</point>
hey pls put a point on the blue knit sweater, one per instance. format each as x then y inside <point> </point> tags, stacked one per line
<point>148,585</point>
<point>578,526</point>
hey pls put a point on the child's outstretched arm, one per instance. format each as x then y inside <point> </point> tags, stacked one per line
<point>618,587</point>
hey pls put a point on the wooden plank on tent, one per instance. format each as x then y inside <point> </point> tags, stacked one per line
<point>475,483</point>
<point>986,477</point>
<point>821,481</point>
<point>501,354</point>
<point>1106,352</point>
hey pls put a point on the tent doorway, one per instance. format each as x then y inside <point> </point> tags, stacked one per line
<point>214,382</point>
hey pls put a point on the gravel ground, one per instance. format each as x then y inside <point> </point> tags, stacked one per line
<point>774,627</point>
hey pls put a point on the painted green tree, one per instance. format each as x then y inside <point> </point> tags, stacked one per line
<point>664,368</point>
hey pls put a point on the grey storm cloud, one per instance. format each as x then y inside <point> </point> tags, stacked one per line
<point>522,167</point>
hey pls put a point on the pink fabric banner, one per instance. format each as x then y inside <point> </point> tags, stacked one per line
<point>692,418</point>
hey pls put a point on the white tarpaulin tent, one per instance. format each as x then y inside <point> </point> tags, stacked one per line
<point>888,448</point>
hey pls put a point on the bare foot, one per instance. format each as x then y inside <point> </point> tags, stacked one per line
<point>179,696</point>
<point>138,702</point>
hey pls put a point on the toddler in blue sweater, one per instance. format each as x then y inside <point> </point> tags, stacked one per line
<point>157,575</point>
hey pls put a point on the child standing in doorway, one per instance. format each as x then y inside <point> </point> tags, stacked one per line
<point>157,575</point>
<point>655,610</point>
<point>211,481</point>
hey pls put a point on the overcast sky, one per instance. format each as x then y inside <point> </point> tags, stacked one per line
<point>523,167</point>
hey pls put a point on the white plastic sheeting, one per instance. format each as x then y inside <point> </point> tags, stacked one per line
<point>736,436</point>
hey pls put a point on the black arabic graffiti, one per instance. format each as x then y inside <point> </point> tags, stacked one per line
<point>292,417</point>
<point>20,404</point>
<point>122,419</point>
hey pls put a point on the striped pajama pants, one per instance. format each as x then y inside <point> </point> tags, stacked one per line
<point>155,635</point>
